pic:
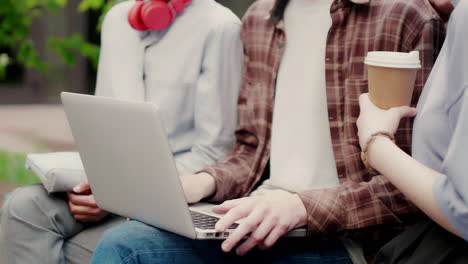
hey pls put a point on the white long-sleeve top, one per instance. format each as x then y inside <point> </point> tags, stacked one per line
<point>192,71</point>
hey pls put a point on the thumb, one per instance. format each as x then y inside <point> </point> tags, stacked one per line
<point>364,101</point>
<point>82,187</point>
<point>406,111</point>
<point>226,206</point>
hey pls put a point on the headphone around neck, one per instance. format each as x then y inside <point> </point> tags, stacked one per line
<point>155,14</point>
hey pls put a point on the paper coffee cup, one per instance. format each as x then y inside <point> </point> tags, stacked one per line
<point>391,77</point>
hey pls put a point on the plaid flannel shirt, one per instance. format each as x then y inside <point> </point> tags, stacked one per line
<point>361,200</point>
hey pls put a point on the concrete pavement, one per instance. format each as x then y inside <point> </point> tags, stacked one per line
<point>31,128</point>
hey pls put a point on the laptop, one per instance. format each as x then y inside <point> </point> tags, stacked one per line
<point>130,167</point>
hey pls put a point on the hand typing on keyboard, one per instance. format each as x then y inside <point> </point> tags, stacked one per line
<point>266,218</point>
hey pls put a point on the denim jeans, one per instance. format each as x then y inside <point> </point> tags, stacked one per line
<point>135,242</point>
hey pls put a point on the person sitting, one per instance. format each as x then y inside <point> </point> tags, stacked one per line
<point>434,179</point>
<point>298,107</point>
<point>193,78</point>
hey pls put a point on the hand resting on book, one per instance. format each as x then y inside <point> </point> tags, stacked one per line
<point>59,171</point>
<point>83,205</point>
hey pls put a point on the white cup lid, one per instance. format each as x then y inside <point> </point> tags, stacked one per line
<point>393,59</point>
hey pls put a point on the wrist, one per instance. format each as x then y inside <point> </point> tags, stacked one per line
<point>207,183</point>
<point>371,142</point>
<point>376,148</point>
<point>302,212</point>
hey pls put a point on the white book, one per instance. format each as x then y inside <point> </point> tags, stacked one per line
<point>58,171</point>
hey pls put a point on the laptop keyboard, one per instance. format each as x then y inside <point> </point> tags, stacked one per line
<point>206,222</point>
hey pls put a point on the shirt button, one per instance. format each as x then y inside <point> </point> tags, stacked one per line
<point>328,59</point>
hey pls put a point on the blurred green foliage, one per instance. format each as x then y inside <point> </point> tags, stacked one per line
<point>16,18</point>
<point>12,169</point>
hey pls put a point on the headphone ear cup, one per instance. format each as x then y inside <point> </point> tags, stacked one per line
<point>134,17</point>
<point>157,15</point>
<point>179,5</point>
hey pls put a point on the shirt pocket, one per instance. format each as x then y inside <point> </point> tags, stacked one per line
<point>176,101</point>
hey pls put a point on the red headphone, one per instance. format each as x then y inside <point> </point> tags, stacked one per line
<point>155,14</point>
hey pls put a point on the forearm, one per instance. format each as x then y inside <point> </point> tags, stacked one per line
<point>411,177</point>
<point>208,184</point>
<point>198,187</point>
<point>355,205</point>
<point>233,174</point>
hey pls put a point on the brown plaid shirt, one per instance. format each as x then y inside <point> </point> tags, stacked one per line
<point>361,200</point>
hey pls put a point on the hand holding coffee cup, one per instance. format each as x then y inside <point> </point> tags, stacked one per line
<point>391,77</point>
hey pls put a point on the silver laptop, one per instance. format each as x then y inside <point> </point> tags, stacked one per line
<point>129,164</point>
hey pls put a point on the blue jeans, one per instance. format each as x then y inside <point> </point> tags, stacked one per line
<point>135,242</point>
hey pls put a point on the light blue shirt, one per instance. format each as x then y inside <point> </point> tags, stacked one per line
<point>440,138</point>
<point>192,71</point>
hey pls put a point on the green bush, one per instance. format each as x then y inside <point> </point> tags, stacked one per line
<point>16,17</point>
<point>12,169</point>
